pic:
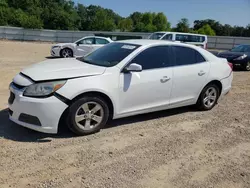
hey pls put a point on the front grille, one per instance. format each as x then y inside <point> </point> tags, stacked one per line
<point>29,119</point>
<point>11,98</point>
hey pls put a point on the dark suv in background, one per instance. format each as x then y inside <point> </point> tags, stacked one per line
<point>238,56</point>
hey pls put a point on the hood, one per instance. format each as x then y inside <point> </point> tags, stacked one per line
<point>61,68</point>
<point>231,55</point>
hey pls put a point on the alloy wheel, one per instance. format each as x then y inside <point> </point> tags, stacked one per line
<point>89,115</point>
<point>67,53</point>
<point>210,97</point>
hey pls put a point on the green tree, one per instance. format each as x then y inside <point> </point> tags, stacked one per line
<point>82,13</point>
<point>168,26</point>
<point>215,25</point>
<point>147,18</point>
<point>4,12</point>
<point>160,22</point>
<point>238,31</point>
<point>247,31</point>
<point>126,24</point>
<point>182,26</point>
<point>139,27</point>
<point>136,17</point>
<point>65,15</point>
<point>228,29</point>
<point>150,28</point>
<point>206,30</point>
<point>101,22</point>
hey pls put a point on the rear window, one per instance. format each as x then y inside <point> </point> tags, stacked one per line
<point>187,56</point>
<point>189,38</point>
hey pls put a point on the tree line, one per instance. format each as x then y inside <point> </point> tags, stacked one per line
<point>65,15</point>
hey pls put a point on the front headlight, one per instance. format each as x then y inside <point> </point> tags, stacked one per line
<point>43,89</point>
<point>53,47</point>
<point>241,57</point>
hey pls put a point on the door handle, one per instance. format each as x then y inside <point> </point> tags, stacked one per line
<point>201,73</point>
<point>165,79</point>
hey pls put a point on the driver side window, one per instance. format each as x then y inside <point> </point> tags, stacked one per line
<point>153,58</point>
<point>89,41</point>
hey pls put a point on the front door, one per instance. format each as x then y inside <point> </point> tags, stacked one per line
<point>85,46</point>
<point>150,89</point>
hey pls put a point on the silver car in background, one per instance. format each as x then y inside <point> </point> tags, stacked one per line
<point>78,48</point>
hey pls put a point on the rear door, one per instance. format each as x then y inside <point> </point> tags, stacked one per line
<point>190,73</point>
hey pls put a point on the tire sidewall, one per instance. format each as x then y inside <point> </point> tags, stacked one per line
<point>201,104</point>
<point>76,105</point>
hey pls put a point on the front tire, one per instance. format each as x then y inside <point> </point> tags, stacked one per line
<point>208,97</point>
<point>88,115</point>
<point>247,66</point>
<point>66,53</point>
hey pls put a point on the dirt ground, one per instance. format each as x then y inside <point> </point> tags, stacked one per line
<point>168,149</point>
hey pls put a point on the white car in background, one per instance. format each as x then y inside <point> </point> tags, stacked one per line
<point>121,79</point>
<point>79,48</point>
<point>189,38</point>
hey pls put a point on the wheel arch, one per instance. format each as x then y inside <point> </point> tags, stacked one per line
<point>216,82</point>
<point>110,104</point>
<point>100,94</point>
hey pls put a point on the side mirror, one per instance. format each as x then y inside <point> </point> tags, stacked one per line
<point>133,68</point>
<point>77,44</point>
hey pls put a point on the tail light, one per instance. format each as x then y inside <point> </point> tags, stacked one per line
<point>231,65</point>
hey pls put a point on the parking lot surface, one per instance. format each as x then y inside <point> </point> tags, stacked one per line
<point>174,148</point>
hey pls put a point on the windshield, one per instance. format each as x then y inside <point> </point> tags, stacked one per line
<point>110,54</point>
<point>241,48</point>
<point>156,36</point>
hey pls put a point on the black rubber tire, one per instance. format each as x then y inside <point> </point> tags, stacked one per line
<point>73,109</point>
<point>65,49</point>
<point>247,66</point>
<point>200,104</point>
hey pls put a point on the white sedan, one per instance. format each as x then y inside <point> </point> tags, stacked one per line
<point>79,48</point>
<point>118,80</point>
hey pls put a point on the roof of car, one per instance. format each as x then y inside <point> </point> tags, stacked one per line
<point>170,32</point>
<point>146,42</point>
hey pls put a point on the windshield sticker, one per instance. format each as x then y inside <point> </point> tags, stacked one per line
<point>129,47</point>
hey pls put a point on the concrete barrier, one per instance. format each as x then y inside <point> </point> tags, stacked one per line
<point>16,33</point>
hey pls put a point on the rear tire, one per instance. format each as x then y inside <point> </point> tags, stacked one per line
<point>88,115</point>
<point>208,97</point>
